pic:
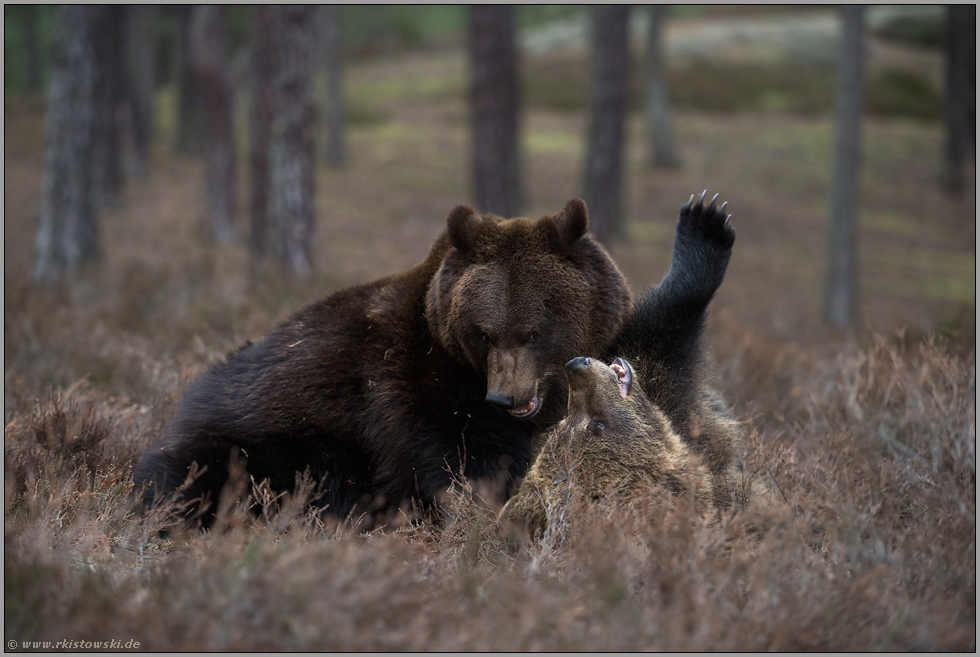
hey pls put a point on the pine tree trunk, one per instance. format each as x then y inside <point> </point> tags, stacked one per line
<point>208,47</point>
<point>604,159</point>
<point>961,95</point>
<point>334,152</point>
<point>68,235</point>
<point>140,86</point>
<point>109,94</point>
<point>840,301</point>
<point>662,145</point>
<point>292,148</point>
<point>260,126</point>
<point>494,106</point>
<point>190,105</point>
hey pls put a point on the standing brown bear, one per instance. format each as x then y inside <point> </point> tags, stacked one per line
<point>385,391</point>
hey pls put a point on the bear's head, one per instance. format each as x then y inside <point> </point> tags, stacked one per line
<point>514,299</point>
<point>607,413</point>
<point>613,439</point>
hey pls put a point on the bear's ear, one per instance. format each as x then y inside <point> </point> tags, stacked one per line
<point>570,223</point>
<point>464,225</point>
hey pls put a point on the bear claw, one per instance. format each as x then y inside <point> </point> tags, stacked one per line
<point>706,223</point>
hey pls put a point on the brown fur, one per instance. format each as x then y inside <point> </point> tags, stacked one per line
<point>388,390</point>
<point>507,314</point>
<point>671,428</point>
<point>613,439</point>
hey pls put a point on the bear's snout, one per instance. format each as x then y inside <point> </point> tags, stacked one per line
<point>512,381</point>
<point>500,399</point>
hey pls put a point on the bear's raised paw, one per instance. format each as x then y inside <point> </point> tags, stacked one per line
<point>706,224</point>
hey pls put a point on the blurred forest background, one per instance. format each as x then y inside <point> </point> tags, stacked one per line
<point>179,179</point>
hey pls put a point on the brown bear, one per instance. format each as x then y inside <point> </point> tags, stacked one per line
<point>676,430</point>
<point>384,392</point>
<point>612,440</point>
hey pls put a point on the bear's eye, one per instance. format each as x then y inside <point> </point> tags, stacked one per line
<point>596,427</point>
<point>485,338</point>
<point>533,336</point>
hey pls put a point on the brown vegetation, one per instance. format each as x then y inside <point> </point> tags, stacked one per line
<point>868,441</point>
<point>871,546</point>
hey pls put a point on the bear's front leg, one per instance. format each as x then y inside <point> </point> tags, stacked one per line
<point>702,248</point>
<point>666,321</point>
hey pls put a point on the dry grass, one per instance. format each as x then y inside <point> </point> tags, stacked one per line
<point>870,540</point>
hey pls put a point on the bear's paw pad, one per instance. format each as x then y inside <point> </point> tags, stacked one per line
<point>706,222</point>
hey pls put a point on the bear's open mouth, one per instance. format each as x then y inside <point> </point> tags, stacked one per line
<point>623,375</point>
<point>527,410</point>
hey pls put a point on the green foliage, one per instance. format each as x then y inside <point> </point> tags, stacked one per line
<point>15,46</point>
<point>531,16</point>
<point>923,28</point>
<point>560,82</point>
<point>902,93</point>
<point>369,29</point>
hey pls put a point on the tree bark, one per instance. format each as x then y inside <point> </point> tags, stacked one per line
<point>140,83</point>
<point>604,159</point>
<point>961,95</point>
<point>68,235</point>
<point>292,149</point>
<point>334,151</point>
<point>662,145</point>
<point>109,95</point>
<point>494,100</point>
<point>190,105</point>
<point>840,299</point>
<point>260,127</point>
<point>210,59</point>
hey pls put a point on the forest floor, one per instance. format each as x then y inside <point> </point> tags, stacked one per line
<point>868,434</point>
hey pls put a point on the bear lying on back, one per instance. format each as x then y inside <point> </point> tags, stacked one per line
<point>613,439</point>
<point>386,390</point>
<point>654,419</point>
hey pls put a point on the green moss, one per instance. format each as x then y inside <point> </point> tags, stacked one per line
<point>555,142</point>
<point>901,93</point>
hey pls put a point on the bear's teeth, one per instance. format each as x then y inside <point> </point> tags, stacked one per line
<point>524,410</point>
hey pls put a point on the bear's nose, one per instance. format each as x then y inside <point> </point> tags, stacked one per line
<point>500,399</point>
<point>577,363</point>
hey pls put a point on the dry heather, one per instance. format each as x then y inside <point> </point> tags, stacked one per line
<point>871,539</point>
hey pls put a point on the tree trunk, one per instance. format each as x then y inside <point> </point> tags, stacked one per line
<point>208,48</point>
<point>260,126</point>
<point>961,94</point>
<point>292,148</point>
<point>494,106</point>
<point>190,104</point>
<point>662,145</point>
<point>68,236</point>
<point>333,108</point>
<point>604,159</point>
<point>109,94</point>
<point>140,85</point>
<point>840,301</point>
